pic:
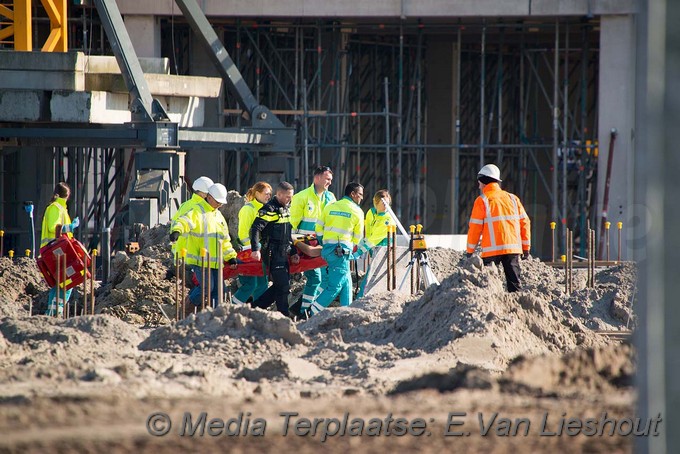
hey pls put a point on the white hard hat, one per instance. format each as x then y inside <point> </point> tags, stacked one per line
<point>491,171</point>
<point>218,192</point>
<point>202,184</point>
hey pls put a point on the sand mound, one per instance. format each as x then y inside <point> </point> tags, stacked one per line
<point>48,348</point>
<point>577,373</point>
<point>20,282</point>
<point>235,330</point>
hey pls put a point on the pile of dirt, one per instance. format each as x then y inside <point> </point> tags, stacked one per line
<point>20,283</point>
<point>140,283</point>
<point>235,202</point>
<point>578,373</point>
<point>47,348</point>
<point>470,318</point>
<point>236,330</point>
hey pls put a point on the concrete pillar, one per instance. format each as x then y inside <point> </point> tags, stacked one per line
<point>441,110</point>
<point>208,162</point>
<point>656,238</point>
<point>145,34</point>
<point>617,110</point>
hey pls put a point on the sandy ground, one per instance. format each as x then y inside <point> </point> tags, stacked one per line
<point>451,368</point>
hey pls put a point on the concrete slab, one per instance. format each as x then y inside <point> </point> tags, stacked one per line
<point>159,84</point>
<point>20,105</point>
<point>96,64</point>
<point>112,108</point>
<point>387,8</point>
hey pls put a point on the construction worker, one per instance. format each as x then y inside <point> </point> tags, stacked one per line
<point>256,197</point>
<point>205,227</point>
<point>376,224</point>
<point>498,217</point>
<point>305,211</point>
<point>271,241</point>
<point>200,188</point>
<point>339,230</point>
<point>56,221</point>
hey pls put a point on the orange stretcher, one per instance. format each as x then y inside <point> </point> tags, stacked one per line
<point>310,259</point>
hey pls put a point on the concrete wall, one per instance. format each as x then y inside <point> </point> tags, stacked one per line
<point>387,8</point>
<point>145,33</point>
<point>617,110</point>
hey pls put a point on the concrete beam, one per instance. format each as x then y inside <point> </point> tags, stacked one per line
<point>102,107</point>
<point>159,85</point>
<point>387,8</point>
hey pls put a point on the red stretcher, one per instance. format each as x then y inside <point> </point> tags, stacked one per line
<point>249,267</point>
<point>78,262</point>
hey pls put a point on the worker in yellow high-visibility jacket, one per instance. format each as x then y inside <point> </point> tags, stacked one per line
<point>200,188</point>
<point>256,197</point>
<point>56,222</point>
<point>305,211</point>
<point>205,227</point>
<point>377,221</point>
<point>339,230</point>
<point>499,218</point>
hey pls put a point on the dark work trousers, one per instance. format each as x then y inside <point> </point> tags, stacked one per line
<point>510,267</point>
<point>276,260</point>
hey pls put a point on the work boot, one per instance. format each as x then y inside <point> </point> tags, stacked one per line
<point>296,307</point>
<point>188,307</point>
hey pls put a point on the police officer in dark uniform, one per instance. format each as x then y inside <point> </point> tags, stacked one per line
<point>271,232</point>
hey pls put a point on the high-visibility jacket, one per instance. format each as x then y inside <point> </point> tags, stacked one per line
<point>341,222</point>
<point>271,228</point>
<point>246,216</point>
<point>306,208</point>
<point>499,218</point>
<point>376,227</point>
<point>181,211</point>
<point>55,214</point>
<point>204,227</point>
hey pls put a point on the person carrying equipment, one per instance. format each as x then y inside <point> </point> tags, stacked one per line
<point>56,221</point>
<point>271,241</point>
<point>305,211</point>
<point>339,230</point>
<point>200,188</point>
<point>256,197</point>
<point>205,227</point>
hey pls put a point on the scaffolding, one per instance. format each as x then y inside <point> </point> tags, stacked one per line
<point>525,98</point>
<point>361,94</point>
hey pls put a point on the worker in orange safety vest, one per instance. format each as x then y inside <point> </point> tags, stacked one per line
<point>499,218</point>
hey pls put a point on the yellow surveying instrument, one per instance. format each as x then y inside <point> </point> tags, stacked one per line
<point>423,272</point>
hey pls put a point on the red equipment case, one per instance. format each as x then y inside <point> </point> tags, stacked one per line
<point>78,261</point>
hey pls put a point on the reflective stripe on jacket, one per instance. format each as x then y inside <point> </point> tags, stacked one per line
<point>306,208</point>
<point>204,227</point>
<point>55,214</point>
<point>376,227</point>
<point>499,218</point>
<point>183,209</point>
<point>246,216</point>
<point>271,227</point>
<point>341,222</point>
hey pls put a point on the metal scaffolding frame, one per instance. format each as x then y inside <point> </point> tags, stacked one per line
<point>357,92</point>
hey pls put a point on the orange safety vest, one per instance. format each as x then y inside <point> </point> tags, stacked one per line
<point>499,218</point>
